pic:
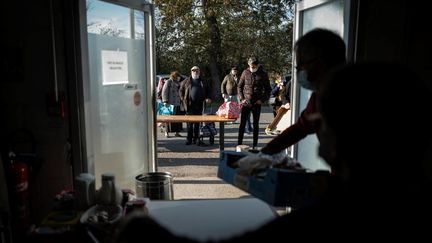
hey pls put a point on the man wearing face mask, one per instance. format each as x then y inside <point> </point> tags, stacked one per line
<point>317,52</point>
<point>253,89</point>
<point>229,86</point>
<point>194,91</point>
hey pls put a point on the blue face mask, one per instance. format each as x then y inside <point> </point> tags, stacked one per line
<point>304,82</point>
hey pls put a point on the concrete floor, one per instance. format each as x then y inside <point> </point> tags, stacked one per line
<point>195,167</point>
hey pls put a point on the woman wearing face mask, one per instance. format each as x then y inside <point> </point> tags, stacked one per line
<point>170,96</point>
<point>317,52</point>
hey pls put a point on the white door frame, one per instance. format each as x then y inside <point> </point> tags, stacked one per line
<point>349,36</point>
<point>150,65</point>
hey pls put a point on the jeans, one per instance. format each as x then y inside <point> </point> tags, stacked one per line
<point>245,116</point>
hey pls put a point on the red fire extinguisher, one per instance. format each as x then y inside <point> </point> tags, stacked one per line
<point>20,179</point>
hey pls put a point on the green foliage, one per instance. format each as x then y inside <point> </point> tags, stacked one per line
<point>216,34</point>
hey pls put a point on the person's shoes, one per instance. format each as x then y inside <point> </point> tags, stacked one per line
<point>194,141</point>
<point>276,132</point>
<point>188,142</point>
<point>166,134</point>
<point>268,131</point>
<point>177,134</point>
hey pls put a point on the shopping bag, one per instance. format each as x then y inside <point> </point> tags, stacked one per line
<point>163,110</point>
<point>208,129</point>
<point>229,110</point>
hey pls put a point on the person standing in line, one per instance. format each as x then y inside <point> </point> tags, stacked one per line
<point>317,53</point>
<point>170,96</point>
<point>253,89</point>
<point>277,93</point>
<point>279,110</point>
<point>194,92</point>
<point>229,87</point>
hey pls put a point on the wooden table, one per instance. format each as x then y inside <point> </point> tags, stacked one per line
<point>200,118</point>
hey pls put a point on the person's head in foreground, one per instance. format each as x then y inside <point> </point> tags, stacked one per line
<point>317,52</point>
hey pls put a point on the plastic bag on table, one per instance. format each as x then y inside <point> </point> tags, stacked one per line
<point>229,110</point>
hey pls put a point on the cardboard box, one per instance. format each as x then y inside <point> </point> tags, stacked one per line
<point>278,187</point>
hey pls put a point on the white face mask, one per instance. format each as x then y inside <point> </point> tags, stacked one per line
<point>233,72</point>
<point>253,69</point>
<point>195,76</point>
<point>302,79</point>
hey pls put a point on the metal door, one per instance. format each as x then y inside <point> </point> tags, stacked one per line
<point>118,70</point>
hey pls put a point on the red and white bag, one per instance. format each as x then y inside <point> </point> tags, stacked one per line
<point>229,109</point>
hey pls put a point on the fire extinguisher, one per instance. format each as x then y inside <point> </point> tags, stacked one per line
<point>20,183</point>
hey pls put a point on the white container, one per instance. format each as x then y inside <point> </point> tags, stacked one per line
<point>109,193</point>
<point>85,190</point>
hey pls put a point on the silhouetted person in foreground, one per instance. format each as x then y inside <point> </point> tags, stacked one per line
<point>380,159</point>
<point>317,53</point>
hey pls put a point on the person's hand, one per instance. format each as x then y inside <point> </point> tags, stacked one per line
<point>252,163</point>
<point>208,101</point>
<point>287,106</point>
<point>166,104</point>
<point>245,102</point>
<point>258,102</point>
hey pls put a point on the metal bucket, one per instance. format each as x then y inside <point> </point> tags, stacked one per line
<point>155,185</point>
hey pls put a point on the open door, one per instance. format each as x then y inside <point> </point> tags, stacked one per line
<point>118,69</point>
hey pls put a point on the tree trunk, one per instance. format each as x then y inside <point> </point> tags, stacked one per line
<point>214,51</point>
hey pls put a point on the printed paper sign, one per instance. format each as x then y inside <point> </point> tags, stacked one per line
<point>114,67</point>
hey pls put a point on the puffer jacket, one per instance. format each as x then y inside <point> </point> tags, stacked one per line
<point>254,86</point>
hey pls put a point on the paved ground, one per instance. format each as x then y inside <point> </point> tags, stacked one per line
<point>195,167</point>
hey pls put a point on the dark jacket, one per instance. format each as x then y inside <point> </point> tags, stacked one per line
<point>283,96</point>
<point>185,89</point>
<point>254,86</point>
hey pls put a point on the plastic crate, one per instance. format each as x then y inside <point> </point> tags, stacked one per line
<point>277,187</point>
